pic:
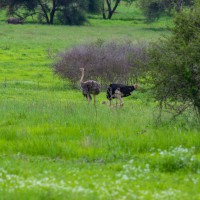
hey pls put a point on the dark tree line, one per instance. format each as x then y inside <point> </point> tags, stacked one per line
<point>153,9</point>
<point>67,11</point>
<point>74,11</point>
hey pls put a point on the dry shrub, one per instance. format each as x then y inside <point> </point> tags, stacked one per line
<point>107,62</point>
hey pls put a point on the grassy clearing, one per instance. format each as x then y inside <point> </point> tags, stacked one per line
<point>55,146</point>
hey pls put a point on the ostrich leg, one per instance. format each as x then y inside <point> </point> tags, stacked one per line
<point>118,96</point>
<point>88,98</point>
<point>121,101</point>
<point>110,102</point>
<point>95,100</point>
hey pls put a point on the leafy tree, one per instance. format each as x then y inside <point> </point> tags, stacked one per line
<point>94,6</point>
<point>20,8</point>
<point>72,15</point>
<point>153,9</point>
<point>46,9</point>
<point>175,64</point>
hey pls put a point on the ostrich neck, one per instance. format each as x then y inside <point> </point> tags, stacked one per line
<point>82,76</point>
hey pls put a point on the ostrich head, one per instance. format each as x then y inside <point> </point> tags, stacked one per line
<point>135,85</point>
<point>81,69</point>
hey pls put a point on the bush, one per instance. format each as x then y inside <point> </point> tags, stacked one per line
<point>175,159</point>
<point>175,64</point>
<point>152,9</point>
<point>72,15</point>
<point>103,61</point>
<point>94,6</point>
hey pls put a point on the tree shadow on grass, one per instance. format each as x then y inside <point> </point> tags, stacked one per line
<point>157,29</point>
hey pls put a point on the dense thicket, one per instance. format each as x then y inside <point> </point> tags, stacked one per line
<point>175,64</point>
<point>103,61</point>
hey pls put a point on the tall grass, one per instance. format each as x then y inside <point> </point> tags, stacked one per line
<point>65,126</point>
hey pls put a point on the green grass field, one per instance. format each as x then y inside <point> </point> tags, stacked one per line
<point>53,145</point>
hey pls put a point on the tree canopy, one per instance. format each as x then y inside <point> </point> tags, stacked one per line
<point>46,10</point>
<point>175,64</point>
<point>153,9</point>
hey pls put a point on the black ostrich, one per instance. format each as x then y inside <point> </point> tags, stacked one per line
<point>89,87</point>
<point>119,91</point>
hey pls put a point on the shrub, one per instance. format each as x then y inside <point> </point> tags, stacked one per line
<point>175,64</point>
<point>72,15</point>
<point>152,9</point>
<point>175,159</point>
<point>103,61</point>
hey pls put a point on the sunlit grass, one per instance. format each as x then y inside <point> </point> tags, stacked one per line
<point>76,130</point>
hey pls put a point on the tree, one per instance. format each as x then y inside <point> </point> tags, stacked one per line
<point>46,9</point>
<point>72,15</point>
<point>19,8</point>
<point>175,64</point>
<point>94,6</point>
<point>109,7</point>
<point>153,9</point>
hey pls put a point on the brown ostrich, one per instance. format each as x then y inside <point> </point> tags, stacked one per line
<point>89,87</point>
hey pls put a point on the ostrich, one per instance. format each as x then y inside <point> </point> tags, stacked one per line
<point>89,87</point>
<point>119,91</point>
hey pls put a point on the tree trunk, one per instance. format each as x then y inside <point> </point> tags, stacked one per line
<point>52,13</point>
<point>45,13</point>
<point>110,9</point>
<point>103,10</point>
<point>110,13</point>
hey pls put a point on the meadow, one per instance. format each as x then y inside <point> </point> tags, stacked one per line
<point>53,145</point>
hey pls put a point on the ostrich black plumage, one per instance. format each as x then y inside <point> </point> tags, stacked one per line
<point>119,91</point>
<point>89,88</point>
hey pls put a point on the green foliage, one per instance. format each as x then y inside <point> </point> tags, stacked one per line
<point>175,159</point>
<point>175,64</point>
<point>153,9</point>
<point>46,10</point>
<point>72,15</point>
<point>19,8</point>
